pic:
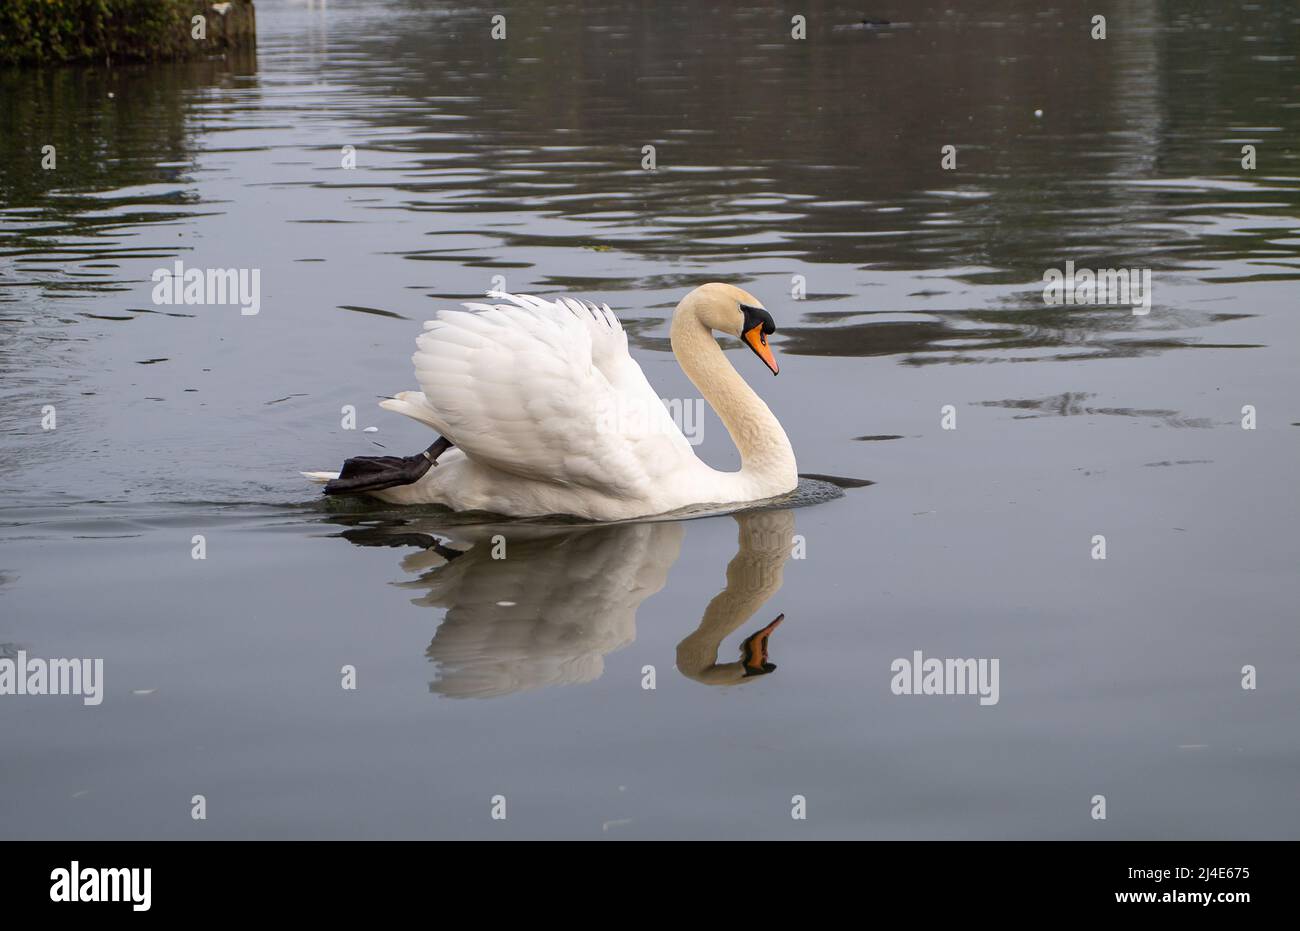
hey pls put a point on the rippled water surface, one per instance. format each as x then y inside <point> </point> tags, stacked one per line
<point>523,677</point>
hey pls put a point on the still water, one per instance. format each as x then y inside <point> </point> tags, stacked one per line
<point>524,677</point>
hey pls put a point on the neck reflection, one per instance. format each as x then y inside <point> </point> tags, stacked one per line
<point>753,576</point>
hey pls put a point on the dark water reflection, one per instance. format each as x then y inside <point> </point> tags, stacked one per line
<point>775,159</point>
<point>794,155</point>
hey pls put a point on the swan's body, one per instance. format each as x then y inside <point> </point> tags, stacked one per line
<point>549,414</point>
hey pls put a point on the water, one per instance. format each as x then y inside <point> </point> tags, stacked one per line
<point>523,677</point>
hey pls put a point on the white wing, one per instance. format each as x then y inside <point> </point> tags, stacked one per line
<point>544,390</point>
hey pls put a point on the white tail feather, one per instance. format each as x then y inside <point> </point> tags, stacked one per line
<point>320,478</point>
<point>413,405</point>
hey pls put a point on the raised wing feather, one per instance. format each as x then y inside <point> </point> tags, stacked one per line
<point>546,390</point>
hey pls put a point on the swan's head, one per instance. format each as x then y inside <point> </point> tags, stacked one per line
<point>729,309</point>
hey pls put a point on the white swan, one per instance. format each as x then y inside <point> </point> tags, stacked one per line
<point>541,410</point>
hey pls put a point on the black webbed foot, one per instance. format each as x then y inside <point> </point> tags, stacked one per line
<point>375,473</point>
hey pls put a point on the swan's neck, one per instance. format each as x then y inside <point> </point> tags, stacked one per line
<point>766,457</point>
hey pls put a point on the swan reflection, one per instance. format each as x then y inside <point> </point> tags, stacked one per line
<point>529,606</point>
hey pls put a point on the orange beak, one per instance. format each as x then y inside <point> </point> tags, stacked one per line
<point>756,339</point>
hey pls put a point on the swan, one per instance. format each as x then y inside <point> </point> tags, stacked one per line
<point>541,410</point>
